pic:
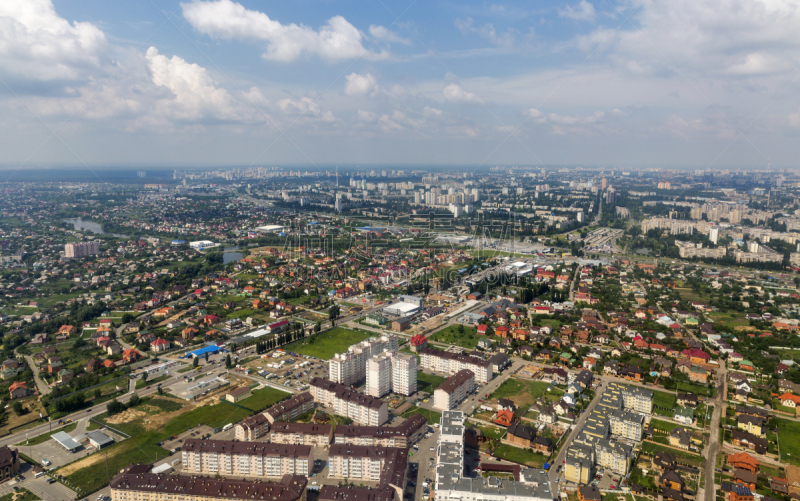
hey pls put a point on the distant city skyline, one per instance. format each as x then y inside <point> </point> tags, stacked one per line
<point>625,84</point>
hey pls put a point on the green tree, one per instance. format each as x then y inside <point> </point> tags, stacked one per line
<point>134,401</point>
<point>144,376</point>
<point>195,362</point>
<point>228,363</point>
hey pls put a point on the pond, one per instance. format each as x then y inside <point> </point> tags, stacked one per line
<point>81,225</point>
<point>643,250</point>
<point>230,255</point>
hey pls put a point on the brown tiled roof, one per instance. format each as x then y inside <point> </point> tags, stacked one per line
<point>456,380</point>
<point>248,448</point>
<point>290,487</point>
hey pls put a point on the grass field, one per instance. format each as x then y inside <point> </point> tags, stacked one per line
<point>263,398</point>
<point>142,446</point>
<point>44,437</point>
<point>22,494</point>
<point>789,439</point>
<point>326,344</point>
<point>525,392</point>
<point>664,403</point>
<point>432,416</point>
<point>666,426</point>
<point>517,455</point>
<point>427,382</point>
<point>451,335</point>
<point>693,388</point>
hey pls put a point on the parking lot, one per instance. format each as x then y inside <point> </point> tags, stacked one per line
<point>57,455</point>
<point>39,486</point>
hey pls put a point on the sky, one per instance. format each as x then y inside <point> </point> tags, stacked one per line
<point>203,83</point>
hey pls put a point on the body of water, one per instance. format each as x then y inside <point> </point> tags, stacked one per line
<point>643,250</point>
<point>230,255</point>
<point>81,225</point>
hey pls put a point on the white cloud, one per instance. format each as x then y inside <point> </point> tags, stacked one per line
<point>305,107</point>
<point>584,11</point>
<point>359,85</point>
<point>715,38</point>
<point>717,126</point>
<point>37,43</point>
<point>487,31</point>
<point>194,94</point>
<point>386,35</point>
<point>456,94</point>
<point>431,112</point>
<point>337,40</point>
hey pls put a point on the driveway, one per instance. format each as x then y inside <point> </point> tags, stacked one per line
<point>40,384</point>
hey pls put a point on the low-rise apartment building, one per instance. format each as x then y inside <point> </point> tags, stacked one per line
<point>226,457</point>
<point>252,428</point>
<point>291,408</point>
<point>137,483</point>
<point>362,409</point>
<point>451,363</point>
<point>453,391</point>
<point>403,436</point>
<point>316,435</point>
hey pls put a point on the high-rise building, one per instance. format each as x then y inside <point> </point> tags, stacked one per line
<point>350,368</point>
<point>393,372</point>
<point>713,235</point>
<point>379,375</point>
<point>82,249</point>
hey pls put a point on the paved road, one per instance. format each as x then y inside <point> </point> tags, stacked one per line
<point>40,384</point>
<point>714,445</point>
<point>577,427</point>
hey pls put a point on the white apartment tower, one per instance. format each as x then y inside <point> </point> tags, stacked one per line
<point>350,368</point>
<point>379,375</point>
<point>391,372</point>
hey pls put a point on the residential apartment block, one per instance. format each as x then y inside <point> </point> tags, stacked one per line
<point>316,435</point>
<point>453,391</point>
<point>358,462</point>
<point>137,482</point>
<point>362,409</point>
<point>291,408</point>
<point>251,428</point>
<point>403,436</point>
<point>391,372</point>
<point>451,363</point>
<point>350,368</point>
<point>579,463</point>
<point>453,485</point>
<point>260,459</point>
<point>637,399</point>
<point>82,249</point>
<point>627,424</point>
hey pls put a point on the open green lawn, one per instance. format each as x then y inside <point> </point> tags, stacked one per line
<point>326,344</point>
<point>525,392</point>
<point>143,447</point>
<point>23,494</point>
<point>44,437</point>
<point>263,398</point>
<point>789,439</point>
<point>693,388</point>
<point>428,383</point>
<point>243,313</point>
<point>666,426</point>
<point>664,403</point>
<point>518,455</point>
<point>432,416</point>
<point>452,335</point>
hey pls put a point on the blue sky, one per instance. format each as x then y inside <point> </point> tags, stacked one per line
<point>631,83</point>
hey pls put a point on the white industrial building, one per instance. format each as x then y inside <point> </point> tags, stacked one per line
<point>202,244</point>
<point>271,228</point>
